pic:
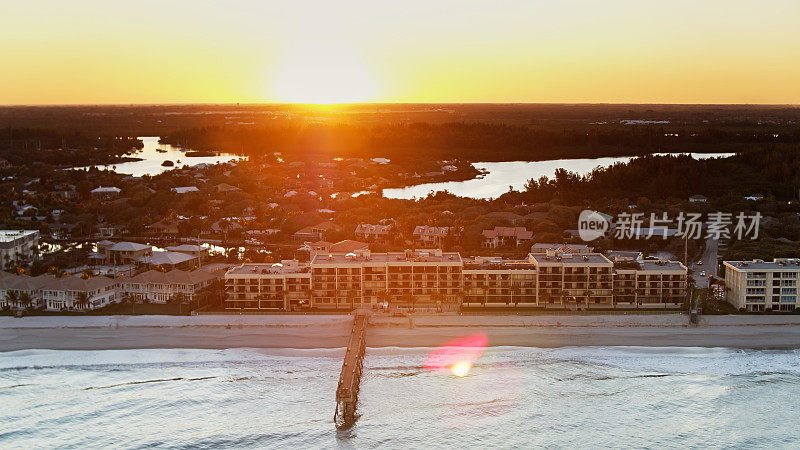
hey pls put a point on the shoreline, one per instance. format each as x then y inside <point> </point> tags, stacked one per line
<point>328,332</point>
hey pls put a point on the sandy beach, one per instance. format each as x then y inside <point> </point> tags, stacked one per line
<point>329,331</point>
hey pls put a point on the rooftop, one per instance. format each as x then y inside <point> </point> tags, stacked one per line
<point>129,247</point>
<point>11,235</point>
<point>395,257</point>
<point>758,264</point>
<point>570,259</point>
<point>186,248</point>
<point>169,258</point>
<point>173,277</point>
<point>662,265</point>
<point>290,266</point>
<point>497,263</point>
<point>542,247</point>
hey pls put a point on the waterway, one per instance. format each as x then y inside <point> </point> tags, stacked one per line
<point>502,175</point>
<point>153,155</point>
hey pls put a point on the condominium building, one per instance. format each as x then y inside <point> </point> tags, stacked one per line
<point>363,278</point>
<point>279,286</point>
<point>649,284</point>
<point>491,281</point>
<point>18,246</point>
<point>759,285</point>
<point>566,279</point>
<point>432,277</point>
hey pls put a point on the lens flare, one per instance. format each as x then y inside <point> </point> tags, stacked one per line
<point>457,356</point>
<point>461,369</point>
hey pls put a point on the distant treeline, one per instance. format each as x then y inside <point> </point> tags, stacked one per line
<point>770,171</point>
<point>479,141</point>
<point>27,145</point>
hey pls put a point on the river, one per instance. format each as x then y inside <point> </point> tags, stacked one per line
<point>501,175</point>
<point>154,154</point>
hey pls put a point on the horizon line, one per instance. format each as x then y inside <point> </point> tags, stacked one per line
<point>16,105</point>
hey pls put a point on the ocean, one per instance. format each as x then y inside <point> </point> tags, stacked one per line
<point>581,397</point>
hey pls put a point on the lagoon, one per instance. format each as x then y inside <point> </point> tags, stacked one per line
<point>501,175</point>
<point>154,154</point>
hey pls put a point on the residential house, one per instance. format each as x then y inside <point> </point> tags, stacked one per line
<point>315,232</point>
<point>506,236</point>
<point>18,246</point>
<point>106,191</point>
<point>166,226</point>
<point>157,286</point>
<point>169,260</point>
<point>430,235</point>
<point>122,252</point>
<point>185,189</point>
<point>373,233</point>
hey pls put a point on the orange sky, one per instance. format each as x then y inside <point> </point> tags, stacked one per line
<point>678,51</point>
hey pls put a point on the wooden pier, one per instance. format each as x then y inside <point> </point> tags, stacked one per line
<point>350,378</point>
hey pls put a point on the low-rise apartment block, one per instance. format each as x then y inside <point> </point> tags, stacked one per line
<point>363,278</point>
<point>759,285</point>
<point>18,246</point>
<point>279,286</point>
<point>434,278</point>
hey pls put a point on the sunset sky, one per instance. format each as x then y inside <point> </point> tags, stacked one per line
<point>147,51</point>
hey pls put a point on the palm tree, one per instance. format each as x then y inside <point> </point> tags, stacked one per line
<point>407,298</point>
<point>180,299</point>
<point>12,298</point>
<point>438,298</point>
<point>485,290</point>
<point>639,292</point>
<point>81,300</point>
<point>515,291</point>
<point>383,297</point>
<point>351,298</point>
<point>545,298</point>
<point>132,300</point>
<point>25,300</point>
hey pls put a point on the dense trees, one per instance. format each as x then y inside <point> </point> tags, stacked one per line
<point>477,141</point>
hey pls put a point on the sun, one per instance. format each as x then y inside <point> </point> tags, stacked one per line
<point>323,74</point>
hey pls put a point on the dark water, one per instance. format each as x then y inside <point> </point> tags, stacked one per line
<point>512,398</point>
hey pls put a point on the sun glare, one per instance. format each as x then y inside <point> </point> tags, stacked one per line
<point>323,74</point>
<point>461,369</point>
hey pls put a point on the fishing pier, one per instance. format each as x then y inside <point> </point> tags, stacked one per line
<point>350,377</point>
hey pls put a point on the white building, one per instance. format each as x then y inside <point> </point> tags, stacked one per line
<point>106,191</point>
<point>73,293</point>
<point>430,235</point>
<point>185,189</point>
<point>159,287</point>
<point>759,285</point>
<point>18,245</point>
<point>53,293</point>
